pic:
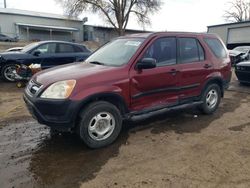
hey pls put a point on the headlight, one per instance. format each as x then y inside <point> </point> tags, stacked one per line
<point>59,90</point>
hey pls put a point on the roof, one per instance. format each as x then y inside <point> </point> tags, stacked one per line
<point>36,14</point>
<point>105,27</point>
<point>48,27</point>
<point>56,41</point>
<point>139,35</point>
<point>227,24</point>
<point>172,33</point>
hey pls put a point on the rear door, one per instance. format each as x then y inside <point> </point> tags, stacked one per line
<point>156,87</point>
<point>194,67</point>
<point>66,53</point>
<point>81,53</point>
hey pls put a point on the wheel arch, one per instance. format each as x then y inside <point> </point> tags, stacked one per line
<point>214,80</point>
<point>112,98</point>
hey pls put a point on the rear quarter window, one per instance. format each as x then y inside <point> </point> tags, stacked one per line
<point>66,48</point>
<point>78,49</point>
<point>216,47</point>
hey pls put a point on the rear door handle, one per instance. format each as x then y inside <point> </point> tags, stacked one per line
<point>207,66</point>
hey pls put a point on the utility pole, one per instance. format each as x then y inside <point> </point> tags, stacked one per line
<point>4,2</point>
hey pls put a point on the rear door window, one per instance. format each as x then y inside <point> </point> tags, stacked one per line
<point>189,50</point>
<point>216,47</point>
<point>83,48</point>
<point>78,49</point>
<point>66,48</point>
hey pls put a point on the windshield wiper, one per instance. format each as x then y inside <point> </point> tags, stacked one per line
<point>96,63</point>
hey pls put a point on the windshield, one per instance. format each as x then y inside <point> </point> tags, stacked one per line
<point>29,47</point>
<point>116,53</point>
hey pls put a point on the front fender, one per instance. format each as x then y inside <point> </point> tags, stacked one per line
<point>85,93</point>
<point>93,95</point>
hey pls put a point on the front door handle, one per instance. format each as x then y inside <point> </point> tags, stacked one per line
<point>173,72</point>
<point>207,66</point>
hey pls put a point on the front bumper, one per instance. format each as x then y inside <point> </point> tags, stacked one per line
<point>58,114</point>
<point>243,76</point>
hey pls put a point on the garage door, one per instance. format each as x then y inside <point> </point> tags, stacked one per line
<point>239,35</point>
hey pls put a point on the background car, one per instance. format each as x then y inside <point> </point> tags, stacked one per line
<point>6,38</point>
<point>239,54</point>
<point>47,53</point>
<point>242,71</point>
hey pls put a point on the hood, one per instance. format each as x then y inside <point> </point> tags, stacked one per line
<point>13,55</point>
<point>235,53</point>
<point>76,71</point>
<point>245,63</point>
<point>15,49</point>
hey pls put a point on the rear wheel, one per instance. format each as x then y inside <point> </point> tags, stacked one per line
<point>211,99</point>
<point>100,124</point>
<point>8,72</point>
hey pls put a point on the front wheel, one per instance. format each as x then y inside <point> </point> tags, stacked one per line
<point>211,99</point>
<point>100,124</point>
<point>8,72</point>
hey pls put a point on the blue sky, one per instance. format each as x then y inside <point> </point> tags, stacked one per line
<point>175,15</point>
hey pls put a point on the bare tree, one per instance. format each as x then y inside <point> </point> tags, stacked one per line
<point>115,12</point>
<point>239,11</point>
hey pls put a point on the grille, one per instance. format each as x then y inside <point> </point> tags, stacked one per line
<point>243,68</point>
<point>33,87</point>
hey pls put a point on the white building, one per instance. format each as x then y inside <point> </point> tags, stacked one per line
<point>233,34</point>
<point>29,25</point>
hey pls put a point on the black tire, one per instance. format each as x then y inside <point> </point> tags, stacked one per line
<point>3,73</point>
<point>207,108</point>
<point>86,118</point>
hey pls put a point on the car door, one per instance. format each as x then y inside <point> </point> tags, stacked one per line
<point>81,53</point>
<point>66,53</point>
<point>194,67</point>
<point>156,87</point>
<point>46,55</point>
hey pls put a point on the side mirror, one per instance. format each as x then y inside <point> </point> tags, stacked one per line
<point>37,53</point>
<point>146,63</point>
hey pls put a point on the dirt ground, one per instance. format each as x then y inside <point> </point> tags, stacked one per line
<point>180,149</point>
<point>11,104</point>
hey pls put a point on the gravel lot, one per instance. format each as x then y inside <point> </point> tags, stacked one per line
<point>180,149</point>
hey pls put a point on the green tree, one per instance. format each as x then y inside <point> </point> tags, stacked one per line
<point>115,12</point>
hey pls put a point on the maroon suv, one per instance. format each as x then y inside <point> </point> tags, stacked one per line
<point>128,77</point>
